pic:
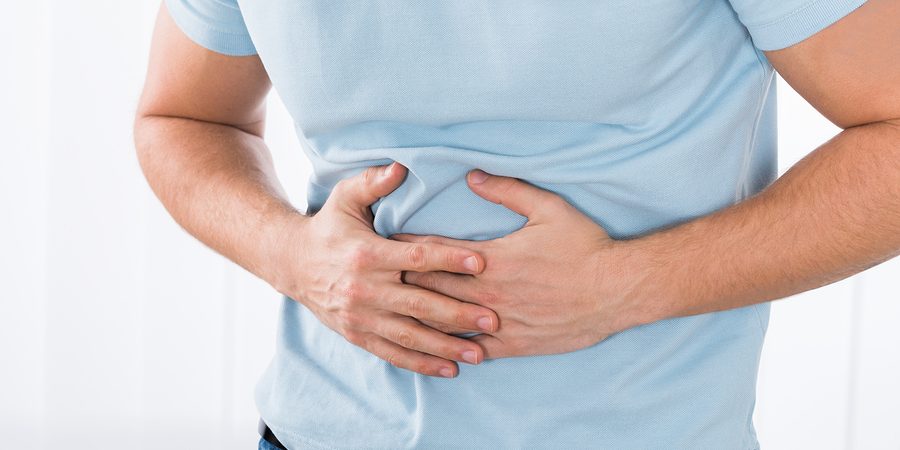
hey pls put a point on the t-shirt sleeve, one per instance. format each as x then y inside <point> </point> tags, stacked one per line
<point>776,24</point>
<point>215,24</point>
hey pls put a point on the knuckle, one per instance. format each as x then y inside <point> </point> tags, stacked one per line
<point>450,260</point>
<point>415,306</point>
<point>461,318</point>
<point>369,175</point>
<point>515,345</point>
<point>368,341</point>
<point>451,350</point>
<point>342,186</point>
<point>417,256</point>
<point>350,319</point>
<point>355,338</point>
<point>393,359</point>
<point>360,257</point>
<point>557,203</point>
<point>426,280</point>
<point>354,293</point>
<point>403,337</point>
<point>506,186</point>
<point>551,200</point>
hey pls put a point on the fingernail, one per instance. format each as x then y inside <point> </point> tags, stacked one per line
<point>484,323</point>
<point>478,176</point>
<point>471,263</point>
<point>386,172</point>
<point>447,372</point>
<point>470,357</point>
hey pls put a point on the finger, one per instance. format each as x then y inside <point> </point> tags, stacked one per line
<point>432,238</point>
<point>517,195</point>
<point>460,287</point>
<point>362,190</point>
<point>411,334</point>
<point>493,347</point>
<point>449,329</point>
<point>423,304</point>
<point>427,256</point>
<point>404,358</point>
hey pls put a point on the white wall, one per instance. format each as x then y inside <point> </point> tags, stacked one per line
<point>828,377</point>
<point>113,318</point>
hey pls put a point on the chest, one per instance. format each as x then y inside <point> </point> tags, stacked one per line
<point>441,61</point>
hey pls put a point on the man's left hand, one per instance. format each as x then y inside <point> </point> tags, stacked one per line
<point>558,284</point>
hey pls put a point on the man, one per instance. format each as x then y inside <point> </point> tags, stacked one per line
<point>605,273</point>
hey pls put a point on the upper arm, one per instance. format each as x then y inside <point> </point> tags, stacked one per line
<point>849,71</point>
<point>220,81</point>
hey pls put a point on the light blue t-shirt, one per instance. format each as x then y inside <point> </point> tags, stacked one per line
<point>642,114</point>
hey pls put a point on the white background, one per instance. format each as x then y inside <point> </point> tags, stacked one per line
<point>120,330</point>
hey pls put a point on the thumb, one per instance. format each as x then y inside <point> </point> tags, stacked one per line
<point>365,188</point>
<point>513,193</point>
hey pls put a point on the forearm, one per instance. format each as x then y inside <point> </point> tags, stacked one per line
<point>219,184</point>
<point>833,214</point>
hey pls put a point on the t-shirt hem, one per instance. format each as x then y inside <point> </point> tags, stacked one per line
<point>287,437</point>
<point>228,43</point>
<point>801,23</point>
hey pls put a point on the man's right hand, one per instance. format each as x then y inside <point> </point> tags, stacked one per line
<point>335,264</point>
<point>199,139</point>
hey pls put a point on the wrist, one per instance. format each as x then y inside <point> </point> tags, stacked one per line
<point>644,282</point>
<point>280,245</point>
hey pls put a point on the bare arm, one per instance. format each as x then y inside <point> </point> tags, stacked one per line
<point>833,214</point>
<point>202,150</point>
<point>560,283</point>
<point>198,134</point>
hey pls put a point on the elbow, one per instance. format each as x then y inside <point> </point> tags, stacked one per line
<point>140,132</point>
<point>870,120</point>
<point>145,132</point>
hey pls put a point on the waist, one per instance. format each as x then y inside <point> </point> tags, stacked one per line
<point>677,371</point>
<point>630,179</point>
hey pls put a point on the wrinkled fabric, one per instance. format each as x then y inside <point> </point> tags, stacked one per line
<point>641,114</point>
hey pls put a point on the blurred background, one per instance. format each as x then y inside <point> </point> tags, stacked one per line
<point>120,330</point>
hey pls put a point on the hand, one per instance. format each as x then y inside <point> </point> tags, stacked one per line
<point>558,284</point>
<point>335,264</point>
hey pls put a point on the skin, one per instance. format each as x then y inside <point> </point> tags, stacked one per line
<point>833,214</point>
<point>199,140</point>
<point>198,134</point>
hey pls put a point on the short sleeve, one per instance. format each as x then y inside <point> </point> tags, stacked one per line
<point>215,24</point>
<point>776,24</point>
